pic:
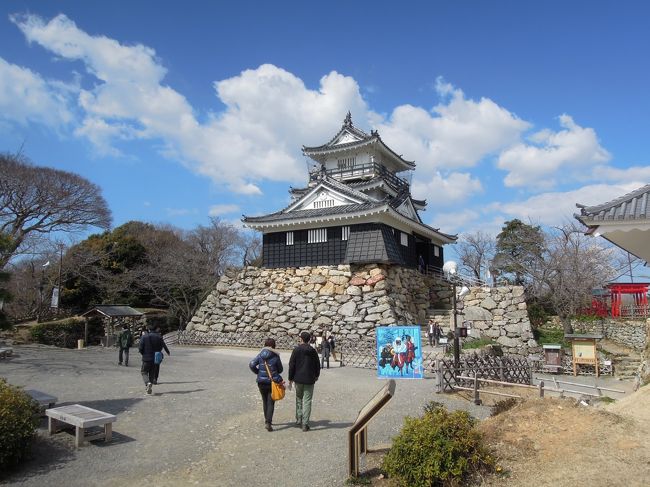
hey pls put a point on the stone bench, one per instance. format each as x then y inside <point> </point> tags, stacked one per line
<point>42,398</point>
<point>81,417</point>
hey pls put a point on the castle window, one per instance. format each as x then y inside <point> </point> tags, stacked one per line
<point>404,239</point>
<point>346,163</point>
<point>317,235</point>
<point>345,233</point>
<point>436,251</point>
<point>289,238</point>
<point>323,204</point>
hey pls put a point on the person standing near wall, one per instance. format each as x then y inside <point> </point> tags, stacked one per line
<point>304,370</point>
<point>325,352</point>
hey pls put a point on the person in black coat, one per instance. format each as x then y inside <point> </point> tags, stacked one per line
<point>304,370</point>
<point>156,367</point>
<point>150,343</point>
<point>267,358</point>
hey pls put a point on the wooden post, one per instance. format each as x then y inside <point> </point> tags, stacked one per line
<point>501,376</point>
<point>541,388</point>
<point>477,400</point>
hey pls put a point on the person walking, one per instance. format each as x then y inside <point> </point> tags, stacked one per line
<point>150,343</point>
<point>325,352</point>
<point>304,370</point>
<point>156,365</point>
<point>125,341</point>
<point>268,367</point>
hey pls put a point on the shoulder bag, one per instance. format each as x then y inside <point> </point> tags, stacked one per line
<point>277,389</point>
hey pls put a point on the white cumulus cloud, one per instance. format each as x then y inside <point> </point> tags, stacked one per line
<point>445,191</point>
<point>267,109</point>
<point>218,210</point>
<point>26,97</point>
<point>569,152</point>
<point>554,208</point>
<point>459,132</point>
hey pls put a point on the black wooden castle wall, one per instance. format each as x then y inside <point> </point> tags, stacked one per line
<point>276,252</point>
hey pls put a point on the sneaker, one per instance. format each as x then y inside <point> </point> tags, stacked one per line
<point>305,427</point>
<point>149,387</point>
<point>298,423</point>
<point>119,363</point>
<point>269,427</point>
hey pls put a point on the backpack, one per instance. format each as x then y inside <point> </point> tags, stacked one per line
<point>126,339</point>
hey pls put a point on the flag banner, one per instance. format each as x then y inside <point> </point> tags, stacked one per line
<point>399,352</point>
<point>55,298</point>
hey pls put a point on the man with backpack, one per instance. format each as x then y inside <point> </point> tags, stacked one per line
<point>124,341</point>
<point>150,344</point>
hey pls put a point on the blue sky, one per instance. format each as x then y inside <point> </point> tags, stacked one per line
<point>179,111</point>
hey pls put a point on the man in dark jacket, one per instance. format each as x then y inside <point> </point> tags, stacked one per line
<point>125,341</point>
<point>304,369</point>
<point>150,343</point>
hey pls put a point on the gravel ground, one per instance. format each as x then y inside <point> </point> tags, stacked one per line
<point>203,425</point>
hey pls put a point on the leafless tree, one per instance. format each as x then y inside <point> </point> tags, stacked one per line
<point>570,267</point>
<point>475,252</point>
<point>221,243</point>
<point>35,201</point>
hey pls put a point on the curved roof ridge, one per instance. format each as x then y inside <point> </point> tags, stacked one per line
<point>615,202</point>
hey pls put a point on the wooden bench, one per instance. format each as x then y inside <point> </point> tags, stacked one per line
<point>81,417</point>
<point>42,398</point>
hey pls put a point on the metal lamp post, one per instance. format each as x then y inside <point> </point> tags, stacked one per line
<point>450,269</point>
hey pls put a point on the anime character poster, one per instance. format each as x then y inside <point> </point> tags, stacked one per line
<point>399,352</point>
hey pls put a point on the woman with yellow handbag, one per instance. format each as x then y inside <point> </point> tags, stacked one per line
<point>268,367</point>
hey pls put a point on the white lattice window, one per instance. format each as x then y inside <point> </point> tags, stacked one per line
<point>317,235</point>
<point>345,233</point>
<point>347,162</point>
<point>323,204</point>
<point>289,238</point>
<point>436,251</point>
<point>404,239</point>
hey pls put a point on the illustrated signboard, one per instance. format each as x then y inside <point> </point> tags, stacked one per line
<point>399,352</point>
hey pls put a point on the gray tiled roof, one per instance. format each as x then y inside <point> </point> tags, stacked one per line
<point>114,310</point>
<point>299,214</point>
<point>373,245</point>
<point>633,206</point>
<point>365,139</point>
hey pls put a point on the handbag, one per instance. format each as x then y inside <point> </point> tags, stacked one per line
<point>157,357</point>
<point>277,389</point>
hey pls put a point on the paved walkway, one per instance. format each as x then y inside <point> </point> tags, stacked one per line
<point>203,425</point>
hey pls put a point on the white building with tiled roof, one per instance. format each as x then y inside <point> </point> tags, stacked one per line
<point>624,221</point>
<point>355,209</point>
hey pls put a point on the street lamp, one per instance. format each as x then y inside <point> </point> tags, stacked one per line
<point>450,268</point>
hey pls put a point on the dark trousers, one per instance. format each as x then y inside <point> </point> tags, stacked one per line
<point>147,372</point>
<point>156,372</point>
<point>268,404</point>
<point>325,358</point>
<point>124,352</point>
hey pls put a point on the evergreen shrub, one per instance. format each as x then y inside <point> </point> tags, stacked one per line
<point>19,417</point>
<point>439,449</point>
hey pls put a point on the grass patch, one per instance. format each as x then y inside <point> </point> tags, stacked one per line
<point>551,336</point>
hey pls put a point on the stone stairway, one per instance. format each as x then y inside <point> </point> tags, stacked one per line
<point>626,360</point>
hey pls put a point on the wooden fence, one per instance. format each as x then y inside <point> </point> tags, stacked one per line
<point>514,370</point>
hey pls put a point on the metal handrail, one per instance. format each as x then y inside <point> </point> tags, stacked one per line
<point>361,171</point>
